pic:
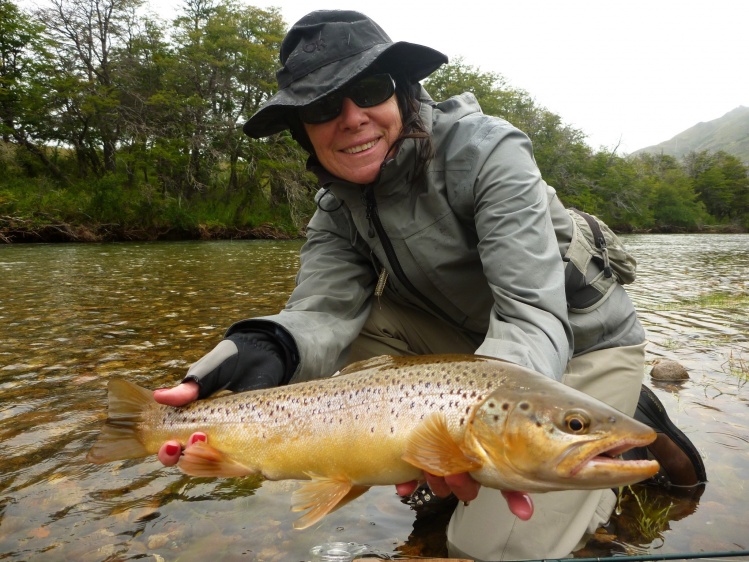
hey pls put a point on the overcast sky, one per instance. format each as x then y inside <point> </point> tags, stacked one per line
<point>631,71</point>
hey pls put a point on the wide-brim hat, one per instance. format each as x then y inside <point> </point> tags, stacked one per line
<point>327,49</point>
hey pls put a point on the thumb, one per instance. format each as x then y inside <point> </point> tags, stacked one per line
<point>179,395</point>
<point>520,504</point>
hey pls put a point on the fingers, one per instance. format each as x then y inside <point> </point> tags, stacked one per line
<point>520,504</point>
<point>407,488</point>
<point>178,395</point>
<point>171,451</point>
<point>463,486</point>
<point>438,485</point>
<point>197,436</point>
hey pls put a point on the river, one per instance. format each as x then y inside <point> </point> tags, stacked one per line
<point>71,316</point>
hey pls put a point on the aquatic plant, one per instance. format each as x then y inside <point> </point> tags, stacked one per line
<point>737,367</point>
<point>653,517</point>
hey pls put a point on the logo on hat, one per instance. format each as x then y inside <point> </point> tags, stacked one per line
<point>316,45</point>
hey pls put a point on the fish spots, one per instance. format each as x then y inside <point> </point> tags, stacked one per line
<point>506,406</point>
<point>524,406</point>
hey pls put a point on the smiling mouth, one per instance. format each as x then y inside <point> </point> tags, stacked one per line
<point>360,148</point>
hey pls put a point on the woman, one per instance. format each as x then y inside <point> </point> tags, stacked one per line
<point>434,233</point>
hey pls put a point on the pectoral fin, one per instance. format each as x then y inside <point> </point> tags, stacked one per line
<point>431,448</point>
<point>201,459</point>
<point>321,496</point>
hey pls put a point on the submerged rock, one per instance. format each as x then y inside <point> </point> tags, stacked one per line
<point>668,370</point>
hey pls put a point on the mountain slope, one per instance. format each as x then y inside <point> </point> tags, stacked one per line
<point>729,133</point>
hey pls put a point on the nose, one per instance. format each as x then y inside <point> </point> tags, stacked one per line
<point>352,115</point>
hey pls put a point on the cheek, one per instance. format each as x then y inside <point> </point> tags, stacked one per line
<point>316,135</point>
<point>393,116</point>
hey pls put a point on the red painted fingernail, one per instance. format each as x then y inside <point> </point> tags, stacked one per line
<point>172,449</point>
<point>197,437</point>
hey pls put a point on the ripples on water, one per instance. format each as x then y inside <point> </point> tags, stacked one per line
<point>73,315</point>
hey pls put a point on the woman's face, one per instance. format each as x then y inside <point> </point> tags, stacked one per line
<point>353,145</point>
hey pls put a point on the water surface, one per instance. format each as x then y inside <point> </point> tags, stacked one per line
<point>71,316</point>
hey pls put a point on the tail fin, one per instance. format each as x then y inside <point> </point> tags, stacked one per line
<point>119,436</point>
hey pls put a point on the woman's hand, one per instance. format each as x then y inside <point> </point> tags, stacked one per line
<point>466,489</point>
<point>179,395</point>
<point>462,485</point>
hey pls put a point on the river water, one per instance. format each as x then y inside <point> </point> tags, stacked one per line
<point>71,316</point>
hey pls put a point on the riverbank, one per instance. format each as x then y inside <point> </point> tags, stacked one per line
<point>14,230</point>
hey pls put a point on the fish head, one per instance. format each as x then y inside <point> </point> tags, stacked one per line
<point>536,440</point>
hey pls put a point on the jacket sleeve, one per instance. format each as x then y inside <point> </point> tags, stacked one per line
<point>520,256</point>
<point>331,300</point>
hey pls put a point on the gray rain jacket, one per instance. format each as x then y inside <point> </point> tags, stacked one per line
<point>477,242</point>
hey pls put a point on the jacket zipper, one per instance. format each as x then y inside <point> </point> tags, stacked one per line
<point>375,226</point>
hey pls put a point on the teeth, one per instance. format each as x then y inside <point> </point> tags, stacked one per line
<point>355,149</point>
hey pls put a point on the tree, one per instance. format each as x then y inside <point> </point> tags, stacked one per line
<point>673,200</point>
<point>559,149</point>
<point>721,182</point>
<point>25,93</point>
<point>85,33</point>
<point>225,69</point>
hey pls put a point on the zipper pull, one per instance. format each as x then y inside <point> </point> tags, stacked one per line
<point>381,280</point>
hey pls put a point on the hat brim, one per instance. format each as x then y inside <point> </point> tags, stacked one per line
<point>415,61</point>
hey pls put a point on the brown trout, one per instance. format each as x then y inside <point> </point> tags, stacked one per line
<point>384,421</point>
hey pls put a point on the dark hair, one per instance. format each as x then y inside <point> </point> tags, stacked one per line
<point>407,95</point>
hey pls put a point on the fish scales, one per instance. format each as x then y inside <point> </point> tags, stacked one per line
<point>370,416</point>
<point>385,421</point>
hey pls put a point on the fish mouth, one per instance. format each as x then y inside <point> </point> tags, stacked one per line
<point>604,459</point>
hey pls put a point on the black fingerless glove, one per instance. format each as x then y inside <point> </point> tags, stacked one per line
<point>245,361</point>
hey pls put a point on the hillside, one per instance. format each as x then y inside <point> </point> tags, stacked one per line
<point>729,133</point>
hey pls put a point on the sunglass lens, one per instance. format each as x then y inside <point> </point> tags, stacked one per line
<point>372,91</point>
<point>367,92</point>
<point>322,110</point>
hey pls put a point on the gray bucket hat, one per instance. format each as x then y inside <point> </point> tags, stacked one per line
<point>323,52</point>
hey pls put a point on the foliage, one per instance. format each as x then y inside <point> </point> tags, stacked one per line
<point>641,192</point>
<point>124,123</point>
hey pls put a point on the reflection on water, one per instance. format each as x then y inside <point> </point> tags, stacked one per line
<point>73,315</point>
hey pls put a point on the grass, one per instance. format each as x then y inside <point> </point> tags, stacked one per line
<point>738,367</point>
<point>719,300</point>
<point>653,517</point>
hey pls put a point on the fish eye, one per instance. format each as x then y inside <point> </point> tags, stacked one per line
<point>577,422</point>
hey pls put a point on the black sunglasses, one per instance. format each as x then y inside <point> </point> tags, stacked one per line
<point>367,92</point>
